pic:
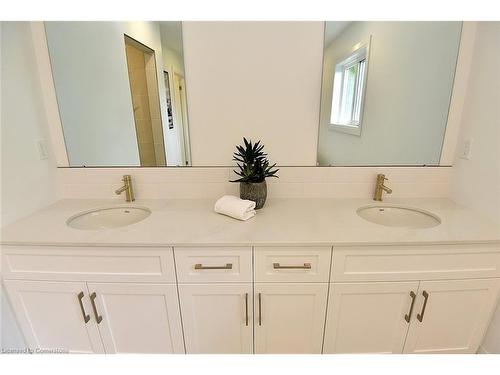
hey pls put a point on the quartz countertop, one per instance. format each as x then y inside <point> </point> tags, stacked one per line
<point>191,222</point>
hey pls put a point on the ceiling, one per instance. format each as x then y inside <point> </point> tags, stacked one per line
<point>334,29</point>
<point>171,35</point>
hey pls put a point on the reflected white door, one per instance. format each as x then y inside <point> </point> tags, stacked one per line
<point>138,318</point>
<point>51,317</point>
<point>369,317</point>
<point>289,318</point>
<point>217,318</point>
<point>455,318</point>
<point>181,117</point>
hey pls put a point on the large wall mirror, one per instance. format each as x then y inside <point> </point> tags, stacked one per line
<point>121,93</point>
<point>386,92</point>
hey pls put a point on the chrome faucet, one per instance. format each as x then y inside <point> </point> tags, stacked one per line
<point>379,187</point>
<point>127,188</point>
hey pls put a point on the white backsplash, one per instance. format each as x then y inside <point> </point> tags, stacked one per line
<point>294,182</point>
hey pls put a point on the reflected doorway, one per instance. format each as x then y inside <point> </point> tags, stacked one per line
<point>145,103</point>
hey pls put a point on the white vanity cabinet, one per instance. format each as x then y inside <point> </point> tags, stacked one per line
<point>225,309</point>
<point>262,299</point>
<point>217,318</point>
<point>95,300</point>
<point>291,290</point>
<point>216,299</point>
<point>137,318</point>
<point>289,318</point>
<point>55,315</point>
<point>442,302</point>
<point>455,318</point>
<point>368,317</point>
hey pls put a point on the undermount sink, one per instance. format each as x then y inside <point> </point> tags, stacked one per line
<point>398,216</point>
<point>108,217</point>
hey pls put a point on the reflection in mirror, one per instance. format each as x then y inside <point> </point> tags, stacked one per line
<point>386,92</point>
<point>120,92</point>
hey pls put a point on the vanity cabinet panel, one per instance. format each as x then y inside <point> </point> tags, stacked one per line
<point>55,315</point>
<point>217,318</point>
<point>219,265</point>
<point>292,264</point>
<point>416,262</point>
<point>147,264</point>
<point>137,318</point>
<point>455,317</point>
<point>369,317</point>
<point>289,318</point>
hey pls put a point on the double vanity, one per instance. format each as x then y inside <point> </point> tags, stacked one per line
<point>302,276</point>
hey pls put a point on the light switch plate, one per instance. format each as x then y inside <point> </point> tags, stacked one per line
<point>42,149</point>
<point>466,149</point>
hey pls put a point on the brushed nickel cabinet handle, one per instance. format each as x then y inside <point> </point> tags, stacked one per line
<point>98,317</point>
<point>306,266</point>
<point>86,317</point>
<point>246,309</point>
<point>199,266</point>
<point>260,309</point>
<point>408,316</point>
<point>420,316</point>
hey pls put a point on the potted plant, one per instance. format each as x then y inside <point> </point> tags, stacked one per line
<point>253,168</point>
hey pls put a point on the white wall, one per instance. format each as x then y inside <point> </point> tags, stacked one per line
<point>91,80</point>
<point>476,182</point>
<point>260,80</point>
<point>410,78</point>
<point>27,183</point>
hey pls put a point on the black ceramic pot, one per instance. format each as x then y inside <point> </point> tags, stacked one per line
<point>254,191</point>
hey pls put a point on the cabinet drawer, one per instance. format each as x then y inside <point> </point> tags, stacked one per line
<point>429,262</point>
<point>292,264</point>
<point>88,263</point>
<point>213,264</point>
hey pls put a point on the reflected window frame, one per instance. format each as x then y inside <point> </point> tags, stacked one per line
<point>357,57</point>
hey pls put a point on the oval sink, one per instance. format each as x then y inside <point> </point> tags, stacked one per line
<point>107,218</point>
<point>398,216</point>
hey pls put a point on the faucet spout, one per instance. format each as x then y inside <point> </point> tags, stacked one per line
<point>121,190</point>
<point>127,188</point>
<point>386,189</point>
<point>380,187</point>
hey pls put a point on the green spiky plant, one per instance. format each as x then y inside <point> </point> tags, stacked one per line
<point>252,162</point>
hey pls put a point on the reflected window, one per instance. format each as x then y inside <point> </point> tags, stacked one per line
<point>348,90</point>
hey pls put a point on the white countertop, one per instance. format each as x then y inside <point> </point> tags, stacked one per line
<point>188,222</point>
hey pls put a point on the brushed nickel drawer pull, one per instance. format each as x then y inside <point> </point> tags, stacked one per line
<point>246,309</point>
<point>86,317</point>
<point>98,317</point>
<point>408,316</point>
<point>306,266</point>
<point>260,309</point>
<point>420,316</point>
<point>199,266</point>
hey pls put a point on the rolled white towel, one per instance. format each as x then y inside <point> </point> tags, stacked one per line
<point>235,207</point>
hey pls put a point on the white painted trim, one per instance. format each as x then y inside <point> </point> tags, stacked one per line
<point>49,93</point>
<point>459,92</point>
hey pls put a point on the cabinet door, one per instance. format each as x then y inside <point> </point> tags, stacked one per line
<point>290,318</point>
<point>455,317</point>
<point>137,318</point>
<point>368,317</point>
<point>51,317</point>
<point>217,318</point>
